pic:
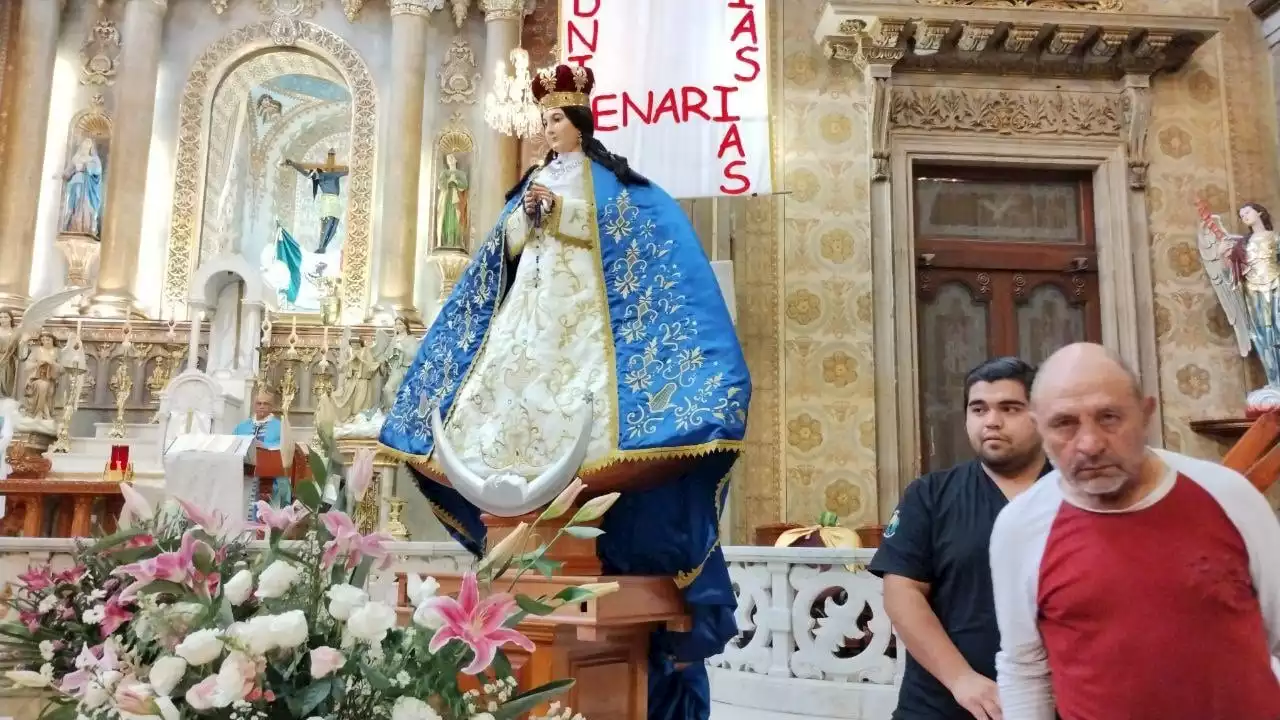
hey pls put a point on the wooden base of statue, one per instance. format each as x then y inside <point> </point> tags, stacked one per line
<point>602,643</point>
<point>26,455</point>
<point>1255,446</point>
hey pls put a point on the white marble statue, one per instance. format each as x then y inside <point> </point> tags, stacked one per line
<point>396,358</point>
<point>13,340</point>
<point>8,423</point>
<point>43,368</point>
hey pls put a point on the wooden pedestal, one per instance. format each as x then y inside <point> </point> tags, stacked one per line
<point>602,643</point>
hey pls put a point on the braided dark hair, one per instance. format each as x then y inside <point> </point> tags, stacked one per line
<point>584,121</point>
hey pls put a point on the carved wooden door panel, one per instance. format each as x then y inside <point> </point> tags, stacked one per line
<point>1006,265</point>
<point>956,327</point>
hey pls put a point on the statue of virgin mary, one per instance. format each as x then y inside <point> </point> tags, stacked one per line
<point>592,291</point>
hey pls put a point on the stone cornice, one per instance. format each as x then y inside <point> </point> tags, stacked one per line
<point>1010,40</point>
<point>1264,8</point>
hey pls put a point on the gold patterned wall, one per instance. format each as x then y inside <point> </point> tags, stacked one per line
<point>802,262</point>
<point>804,296</point>
<point>1226,84</point>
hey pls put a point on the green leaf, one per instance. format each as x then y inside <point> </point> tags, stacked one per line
<point>572,595</point>
<point>110,541</point>
<point>226,615</point>
<point>547,567</point>
<point>502,666</point>
<point>533,607</point>
<point>164,586</point>
<point>380,682</point>
<point>521,704</point>
<point>361,572</point>
<point>319,467</point>
<point>584,532</point>
<point>311,697</point>
<point>132,555</point>
<point>309,492</point>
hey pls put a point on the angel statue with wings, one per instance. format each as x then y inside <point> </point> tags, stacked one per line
<point>1245,273</point>
<point>15,337</point>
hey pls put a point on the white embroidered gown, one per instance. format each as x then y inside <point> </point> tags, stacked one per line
<point>548,347</point>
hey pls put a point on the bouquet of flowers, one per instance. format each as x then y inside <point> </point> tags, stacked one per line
<point>174,618</point>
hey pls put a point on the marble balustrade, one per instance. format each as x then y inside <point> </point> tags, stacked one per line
<point>814,640</point>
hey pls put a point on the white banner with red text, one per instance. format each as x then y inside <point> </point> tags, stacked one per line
<point>681,88</point>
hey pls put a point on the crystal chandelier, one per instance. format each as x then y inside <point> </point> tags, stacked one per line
<point>510,108</point>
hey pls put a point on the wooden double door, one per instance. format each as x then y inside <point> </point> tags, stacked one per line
<point>1006,265</point>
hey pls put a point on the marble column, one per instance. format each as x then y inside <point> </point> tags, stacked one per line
<point>135,94</point>
<point>36,48</point>
<point>399,234</point>
<point>498,165</point>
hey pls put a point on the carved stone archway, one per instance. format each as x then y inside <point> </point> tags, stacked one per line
<point>193,140</point>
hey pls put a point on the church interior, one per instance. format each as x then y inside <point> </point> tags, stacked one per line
<point>214,211</point>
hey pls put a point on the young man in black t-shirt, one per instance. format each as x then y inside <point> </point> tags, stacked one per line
<point>934,556</point>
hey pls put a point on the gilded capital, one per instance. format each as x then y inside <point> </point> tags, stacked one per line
<point>502,9</point>
<point>419,8</point>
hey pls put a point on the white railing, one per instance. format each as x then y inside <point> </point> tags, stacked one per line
<point>814,640</point>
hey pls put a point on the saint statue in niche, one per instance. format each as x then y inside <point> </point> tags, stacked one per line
<point>326,188</point>
<point>451,206</point>
<point>82,195</point>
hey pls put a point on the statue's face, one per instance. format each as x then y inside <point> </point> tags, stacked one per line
<point>46,341</point>
<point>560,133</point>
<point>451,161</point>
<point>6,320</point>
<point>1248,215</point>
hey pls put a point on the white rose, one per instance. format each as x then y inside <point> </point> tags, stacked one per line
<point>93,615</point>
<point>276,580</point>
<point>255,634</point>
<point>289,630</point>
<point>237,590</point>
<point>235,679</point>
<point>407,708</point>
<point>427,616</point>
<point>200,647</point>
<point>168,711</point>
<point>482,716</point>
<point>166,673</point>
<point>46,649</point>
<point>371,622</point>
<point>422,589</point>
<point>344,600</point>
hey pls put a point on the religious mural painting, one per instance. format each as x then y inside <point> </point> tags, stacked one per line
<point>276,184</point>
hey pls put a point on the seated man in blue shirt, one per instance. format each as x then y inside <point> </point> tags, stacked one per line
<point>266,427</point>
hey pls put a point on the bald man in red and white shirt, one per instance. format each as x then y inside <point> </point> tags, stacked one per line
<point>1131,583</point>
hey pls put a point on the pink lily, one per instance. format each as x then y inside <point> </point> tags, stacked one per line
<point>90,662</point>
<point>30,619</point>
<point>478,624</point>
<point>37,578</point>
<point>214,523</point>
<point>70,576</point>
<point>361,475</point>
<point>114,615</point>
<point>176,566</point>
<point>282,519</point>
<point>348,540</point>
<point>136,507</point>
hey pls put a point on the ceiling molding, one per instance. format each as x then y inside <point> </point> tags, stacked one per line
<point>1085,44</point>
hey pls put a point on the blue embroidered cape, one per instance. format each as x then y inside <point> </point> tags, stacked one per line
<point>682,391</point>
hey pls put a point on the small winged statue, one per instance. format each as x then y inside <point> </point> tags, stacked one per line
<point>1244,271</point>
<point>14,346</point>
